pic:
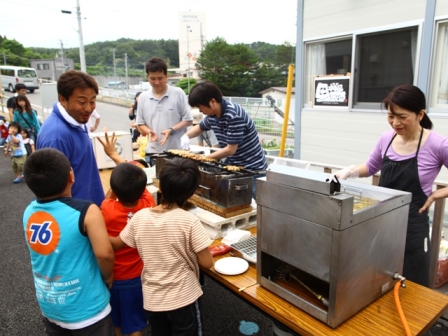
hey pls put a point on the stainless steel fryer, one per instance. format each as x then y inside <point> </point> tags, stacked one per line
<point>317,252</point>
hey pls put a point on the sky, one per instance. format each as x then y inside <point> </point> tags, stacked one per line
<point>41,23</point>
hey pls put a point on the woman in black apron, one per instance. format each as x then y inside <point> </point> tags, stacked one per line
<point>406,106</point>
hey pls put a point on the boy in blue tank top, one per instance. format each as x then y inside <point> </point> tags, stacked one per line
<point>71,256</point>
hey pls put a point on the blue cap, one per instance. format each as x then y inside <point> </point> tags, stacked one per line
<point>248,328</point>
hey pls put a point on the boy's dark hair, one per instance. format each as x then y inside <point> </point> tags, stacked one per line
<point>16,125</point>
<point>202,93</point>
<point>179,178</point>
<point>156,64</point>
<point>73,79</point>
<point>128,182</point>
<point>20,86</point>
<point>46,172</point>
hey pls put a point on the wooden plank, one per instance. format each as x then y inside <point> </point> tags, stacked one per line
<point>218,209</point>
<point>421,306</point>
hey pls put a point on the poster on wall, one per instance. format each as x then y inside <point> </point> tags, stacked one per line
<point>331,91</point>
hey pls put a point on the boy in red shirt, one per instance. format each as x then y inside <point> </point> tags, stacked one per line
<point>127,195</point>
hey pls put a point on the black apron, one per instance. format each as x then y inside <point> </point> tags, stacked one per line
<point>403,175</point>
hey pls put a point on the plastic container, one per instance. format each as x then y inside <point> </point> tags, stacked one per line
<point>248,328</point>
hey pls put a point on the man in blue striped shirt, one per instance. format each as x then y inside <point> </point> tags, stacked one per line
<point>233,127</point>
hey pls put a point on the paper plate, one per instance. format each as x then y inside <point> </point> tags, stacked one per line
<point>231,266</point>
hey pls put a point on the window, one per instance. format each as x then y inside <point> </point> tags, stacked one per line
<point>43,66</point>
<point>439,92</point>
<point>7,72</point>
<point>26,73</point>
<point>326,58</point>
<point>383,61</point>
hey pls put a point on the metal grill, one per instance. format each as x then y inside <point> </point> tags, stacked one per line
<point>247,248</point>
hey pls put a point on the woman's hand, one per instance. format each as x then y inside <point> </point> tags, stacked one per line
<point>438,194</point>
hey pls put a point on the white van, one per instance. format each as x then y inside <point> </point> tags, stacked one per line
<point>11,75</point>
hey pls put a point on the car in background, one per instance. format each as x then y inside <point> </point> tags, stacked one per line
<point>11,75</point>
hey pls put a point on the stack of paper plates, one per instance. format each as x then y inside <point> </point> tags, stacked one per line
<point>231,266</point>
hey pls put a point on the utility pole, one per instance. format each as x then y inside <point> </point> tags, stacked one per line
<point>82,56</point>
<point>126,68</point>
<point>115,70</point>
<point>188,57</point>
<point>202,36</point>
<point>62,55</point>
<point>4,58</point>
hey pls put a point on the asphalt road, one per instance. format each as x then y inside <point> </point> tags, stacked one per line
<point>113,116</point>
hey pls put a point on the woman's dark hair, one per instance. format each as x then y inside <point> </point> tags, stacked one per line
<point>72,79</point>
<point>201,94</point>
<point>128,182</point>
<point>46,172</point>
<point>156,64</point>
<point>179,178</point>
<point>136,101</point>
<point>27,108</point>
<point>16,125</point>
<point>411,98</point>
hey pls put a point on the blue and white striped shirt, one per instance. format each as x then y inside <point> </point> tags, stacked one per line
<point>235,127</point>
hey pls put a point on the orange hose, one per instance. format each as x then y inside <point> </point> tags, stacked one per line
<point>400,310</point>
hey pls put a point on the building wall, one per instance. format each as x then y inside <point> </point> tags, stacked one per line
<point>346,137</point>
<point>52,68</point>
<point>192,32</point>
<point>335,17</point>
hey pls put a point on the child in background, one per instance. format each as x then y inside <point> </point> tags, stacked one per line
<point>28,142</point>
<point>26,116</point>
<point>3,131</point>
<point>14,142</point>
<point>171,242</point>
<point>71,256</point>
<point>127,195</point>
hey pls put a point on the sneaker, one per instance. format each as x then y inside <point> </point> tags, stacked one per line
<point>18,180</point>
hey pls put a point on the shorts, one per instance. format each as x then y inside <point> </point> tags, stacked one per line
<point>185,321</point>
<point>17,163</point>
<point>126,299</point>
<point>103,327</point>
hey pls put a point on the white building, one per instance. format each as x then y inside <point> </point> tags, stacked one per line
<point>382,44</point>
<point>192,32</point>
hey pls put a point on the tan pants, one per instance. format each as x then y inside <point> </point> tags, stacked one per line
<point>18,163</point>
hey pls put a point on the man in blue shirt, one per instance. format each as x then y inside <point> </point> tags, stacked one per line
<point>65,130</point>
<point>233,127</point>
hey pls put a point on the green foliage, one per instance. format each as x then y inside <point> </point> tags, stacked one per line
<point>231,67</point>
<point>183,84</point>
<point>243,70</point>
<point>272,144</point>
<point>239,70</point>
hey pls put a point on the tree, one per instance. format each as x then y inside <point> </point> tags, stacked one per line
<point>230,67</point>
<point>14,47</point>
<point>183,84</point>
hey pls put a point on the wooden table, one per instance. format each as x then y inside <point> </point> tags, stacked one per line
<point>421,306</point>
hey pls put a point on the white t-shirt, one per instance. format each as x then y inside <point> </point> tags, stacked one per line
<point>92,120</point>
